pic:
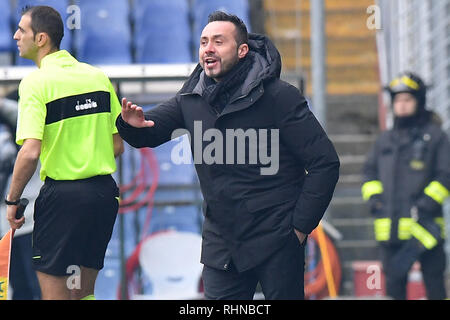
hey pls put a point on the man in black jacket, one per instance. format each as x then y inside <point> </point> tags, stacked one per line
<point>407,179</point>
<point>259,205</point>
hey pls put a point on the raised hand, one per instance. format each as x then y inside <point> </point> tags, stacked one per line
<point>134,115</point>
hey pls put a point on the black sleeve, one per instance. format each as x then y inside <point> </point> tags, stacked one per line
<point>372,187</point>
<point>434,196</point>
<point>370,168</point>
<point>167,117</point>
<point>303,135</point>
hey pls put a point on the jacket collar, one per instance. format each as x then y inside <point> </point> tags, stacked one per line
<point>59,58</point>
<point>266,65</point>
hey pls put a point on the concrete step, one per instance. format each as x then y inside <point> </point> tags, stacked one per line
<point>364,103</point>
<point>353,181</point>
<point>351,250</point>
<point>348,208</point>
<point>350,73</point>
<point>356,229</point>
<point>348,117</point>
<point>351,144</point>
<point>351,164</point>
<point>340,22</point>
<point>351,63</point>
<point>356,58</point>
<point>345,190</point>
<point>349,45</point>
<point>348,88</point>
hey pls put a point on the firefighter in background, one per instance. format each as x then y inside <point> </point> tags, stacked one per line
<point>406,181</point>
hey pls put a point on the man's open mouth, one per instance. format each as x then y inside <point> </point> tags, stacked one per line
<point>211,62</point>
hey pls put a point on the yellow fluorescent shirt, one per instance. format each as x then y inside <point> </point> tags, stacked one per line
<point>71,107</point>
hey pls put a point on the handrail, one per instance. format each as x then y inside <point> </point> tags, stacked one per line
<point>129,72</point>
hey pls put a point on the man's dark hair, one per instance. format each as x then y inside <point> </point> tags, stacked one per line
<point>48,20</point>
<point>241,28</point>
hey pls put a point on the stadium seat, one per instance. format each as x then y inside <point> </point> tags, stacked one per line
<point>180,218</point>
<point>171,262</point>
<point>170,172</point>
<point>162,31</point>
<point>202,8</point>
<point>131,164</point>
<point>154,47</point>
<point>108,280</point>
<point>59,5</point>
<point>105,33</point>
<point>5,26</point>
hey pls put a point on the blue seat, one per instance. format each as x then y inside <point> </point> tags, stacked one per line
<point>131,164</point>
<point>156,13</point>
<point>162,31</point>
<point>180,218</point>
<point>163,47</point>
<point>105,33</point>
<point>170,172</point>
<point>202,8</point>
<point>6,33</point>
<point>99,49</point>
<point>60,6</point>
<point>108,280</point>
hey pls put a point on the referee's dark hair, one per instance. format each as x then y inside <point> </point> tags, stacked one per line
<point>48,20</point>
<point>241,28</point>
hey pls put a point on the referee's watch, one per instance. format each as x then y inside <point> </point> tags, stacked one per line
<point>12,203</point>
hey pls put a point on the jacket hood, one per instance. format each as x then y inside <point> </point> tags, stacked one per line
<point>266,65</point>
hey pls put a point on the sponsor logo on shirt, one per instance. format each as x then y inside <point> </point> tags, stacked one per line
<point>88,105</point>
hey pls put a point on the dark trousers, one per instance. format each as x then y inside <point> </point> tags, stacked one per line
<point>281,277</point>
<point>23,278</point>
<point>432,262</point>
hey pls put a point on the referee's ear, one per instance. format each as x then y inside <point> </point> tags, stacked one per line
<point>42,39</point>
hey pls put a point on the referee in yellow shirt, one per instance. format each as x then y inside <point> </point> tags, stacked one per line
<point>67,113</point>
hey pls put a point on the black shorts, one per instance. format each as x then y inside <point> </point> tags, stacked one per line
<point>73,223</point>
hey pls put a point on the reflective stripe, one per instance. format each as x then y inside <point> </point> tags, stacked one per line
<point>407,227</point>
<point>436,191</point>
<point>382,229</point>
<point>405,80</point>
<point>421,234</point>
<point>371,188</point>
<point>404,228</point>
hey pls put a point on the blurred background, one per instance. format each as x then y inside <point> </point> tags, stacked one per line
<point>148,47</point>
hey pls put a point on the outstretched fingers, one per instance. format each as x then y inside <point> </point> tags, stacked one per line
<point>134,115</point>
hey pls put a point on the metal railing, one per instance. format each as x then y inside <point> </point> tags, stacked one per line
<point>416,36</point>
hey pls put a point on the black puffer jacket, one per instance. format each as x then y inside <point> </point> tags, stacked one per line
<point>249,215</point>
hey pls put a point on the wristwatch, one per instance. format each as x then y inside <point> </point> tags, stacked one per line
<point>12,203</point>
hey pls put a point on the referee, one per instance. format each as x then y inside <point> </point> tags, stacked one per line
<point>67,113</point>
